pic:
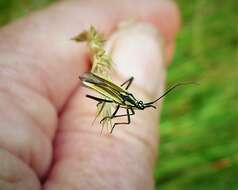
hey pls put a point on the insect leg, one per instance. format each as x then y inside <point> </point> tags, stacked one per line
<point>129,81</point>
<point>132,113</point>
<point>113,115</point>
<point>128,118</point>
<point>98,99</point>
<point>98,103</point>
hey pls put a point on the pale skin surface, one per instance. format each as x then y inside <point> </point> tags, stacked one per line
<point>46,138</point>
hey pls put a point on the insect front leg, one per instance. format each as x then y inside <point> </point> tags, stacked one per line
<point>129,81</point>
<point>98,99</point>
<point>128,118</point>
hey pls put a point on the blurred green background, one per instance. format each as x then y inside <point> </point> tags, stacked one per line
<point>199,124</point>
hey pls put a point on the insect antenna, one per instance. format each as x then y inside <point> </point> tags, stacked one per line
<point>149,104</point>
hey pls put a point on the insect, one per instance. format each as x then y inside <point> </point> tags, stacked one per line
<point>121,97</point>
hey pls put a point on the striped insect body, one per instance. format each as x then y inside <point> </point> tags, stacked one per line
<point>115,94</point>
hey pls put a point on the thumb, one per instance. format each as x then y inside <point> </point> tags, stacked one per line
<point>138,50</point>
<point>84,159</point>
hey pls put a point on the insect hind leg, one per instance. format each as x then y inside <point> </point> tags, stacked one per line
<point>128,118</point>
<point>113,115</point>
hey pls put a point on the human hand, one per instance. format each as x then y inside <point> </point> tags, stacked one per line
<point>46,137</point>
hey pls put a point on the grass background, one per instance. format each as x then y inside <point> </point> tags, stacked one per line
<point>199,127</point>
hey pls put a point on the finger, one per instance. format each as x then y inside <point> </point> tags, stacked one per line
<point>84,159</point>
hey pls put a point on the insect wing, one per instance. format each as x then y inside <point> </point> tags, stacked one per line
<point>102,86</point>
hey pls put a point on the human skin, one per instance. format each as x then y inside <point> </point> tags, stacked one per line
<point>46,138</point>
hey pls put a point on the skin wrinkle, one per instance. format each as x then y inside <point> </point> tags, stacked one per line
<point>10,179</point>
<point>38,86</point>
<point>31,155</point>
<point>126,162</point>
<point>64,107</point>
<point>135,139</point>
<point>105,139</point>
<point>99,152</point>
<point>14,101</point>
<point>18,172</point>
<point>37,122</point>
<point>140,140</point>
<point>131,137</point>
<point>28,155</point>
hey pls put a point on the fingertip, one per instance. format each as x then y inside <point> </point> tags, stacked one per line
<point>137,50</point>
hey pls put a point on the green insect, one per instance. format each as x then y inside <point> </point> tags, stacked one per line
<point>121,97</point>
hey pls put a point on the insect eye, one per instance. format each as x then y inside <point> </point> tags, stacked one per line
<point>126,98</point>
